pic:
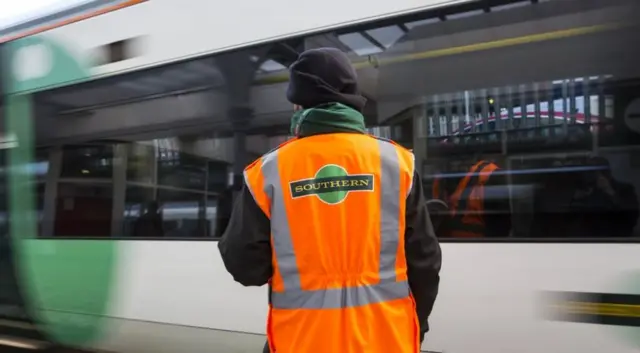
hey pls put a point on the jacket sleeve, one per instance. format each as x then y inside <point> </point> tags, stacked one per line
<point>423,254</point>
<point>245,246</point>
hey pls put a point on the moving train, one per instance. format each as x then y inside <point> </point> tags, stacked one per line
<point>123,146</point>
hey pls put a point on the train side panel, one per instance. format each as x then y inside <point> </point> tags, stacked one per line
<point>493,298</point>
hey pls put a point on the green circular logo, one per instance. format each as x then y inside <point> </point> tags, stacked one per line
<point>328,172</point>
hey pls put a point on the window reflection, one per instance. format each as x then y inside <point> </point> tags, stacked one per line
<point>544,95</point>
<point>211,213</point>
<point>181,170</point>
<point>359,44</point>
<point>465,90</point>
<point>271,65</point>
<point>182,213</point>
<point>387,36</point>
<point>140,209</point>
<point>141,166</point>
<point>87,161</point>
<point>83,210</point>
<point>181,200</point>
<point>172,187</point>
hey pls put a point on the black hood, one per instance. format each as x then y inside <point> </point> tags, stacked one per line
<point>321,76</point>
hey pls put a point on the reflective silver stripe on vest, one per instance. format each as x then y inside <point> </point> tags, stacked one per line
<point>390,203</point>
<point>280,232</point>
<point>337,298</point>
<point>293,296</point>
<point>413,168</point>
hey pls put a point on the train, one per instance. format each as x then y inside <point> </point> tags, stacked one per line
<point>125,127</point>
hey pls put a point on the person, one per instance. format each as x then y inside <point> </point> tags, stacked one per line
<point>477,207</point>
<point>335,221</point>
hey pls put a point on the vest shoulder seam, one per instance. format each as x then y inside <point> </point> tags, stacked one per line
<point>262,158</point>
<point>392,142</point>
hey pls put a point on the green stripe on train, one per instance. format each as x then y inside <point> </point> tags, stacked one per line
<point>68,282</point>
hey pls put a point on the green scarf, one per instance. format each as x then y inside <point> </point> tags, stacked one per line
<point>327,118</point>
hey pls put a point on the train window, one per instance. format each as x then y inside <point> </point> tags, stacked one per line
<point>523,116</point>
<point>87,161</point>
<point>135,157</point>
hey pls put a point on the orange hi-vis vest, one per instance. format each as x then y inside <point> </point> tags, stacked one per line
<point>336,203</point>
<point>466,204</point>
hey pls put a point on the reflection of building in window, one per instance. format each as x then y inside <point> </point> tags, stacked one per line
<point>456,84</point>
<point>562,102</point>
<point>184,185</point>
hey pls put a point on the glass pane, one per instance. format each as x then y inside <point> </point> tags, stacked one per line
<point>141,162</point>
<point>359,44</point>
<point>181,170</point>
<point>386,36</point>
<point>218,176</point>
<point>211,215</point>
<point>87,161</point>
<point>83,210</point>
<point>271,65</point>
<point>544,92</point>
<point>141,213</point>
<point>487,89</point>
<point>182,214</point>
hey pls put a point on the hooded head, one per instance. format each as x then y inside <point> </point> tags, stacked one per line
<point>321,76</point>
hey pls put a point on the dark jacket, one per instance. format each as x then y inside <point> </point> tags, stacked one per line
<point>246,249</point>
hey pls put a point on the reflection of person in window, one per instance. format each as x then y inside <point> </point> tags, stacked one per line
<point>615,202</point>
<point>478,204</point>
<point>150,223</point>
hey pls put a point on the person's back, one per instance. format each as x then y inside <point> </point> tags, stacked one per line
<point>336,208</point>
<point>335,221</point>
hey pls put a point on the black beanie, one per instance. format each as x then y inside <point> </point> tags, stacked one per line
<point>324,75</point>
